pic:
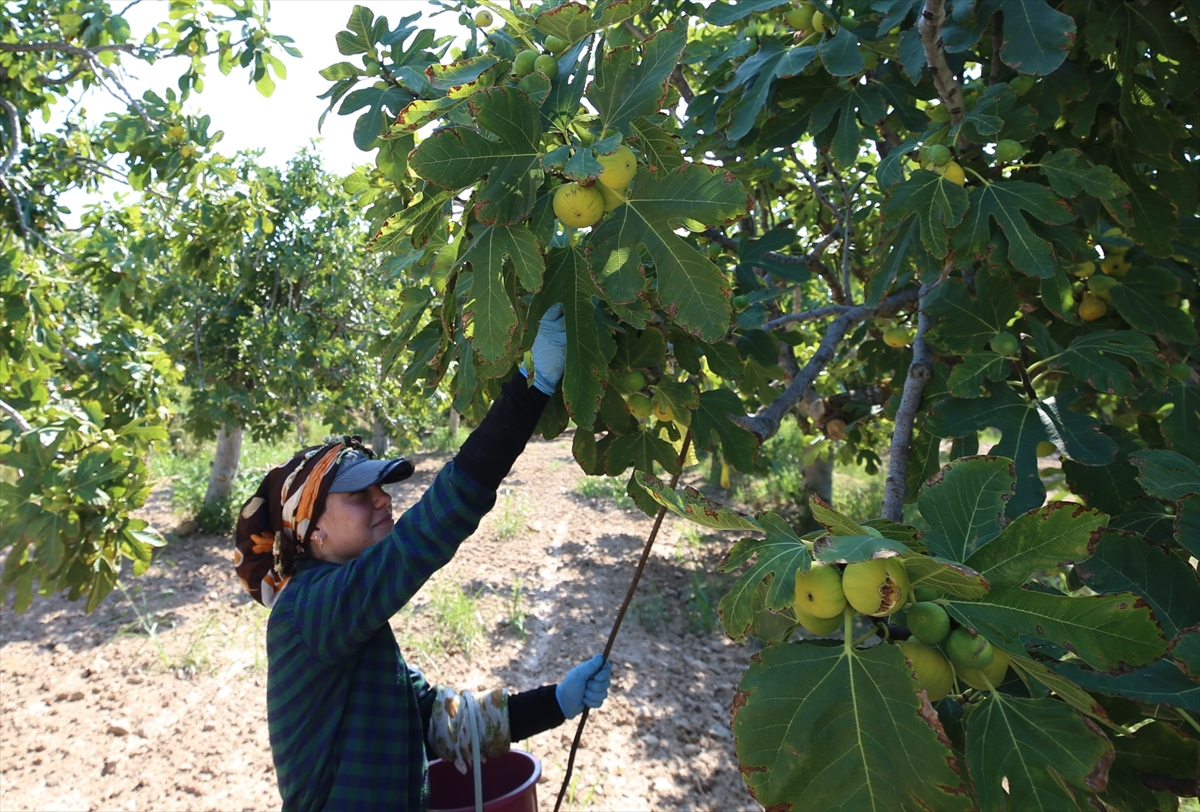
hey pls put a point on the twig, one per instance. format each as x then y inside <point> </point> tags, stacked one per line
<point>929,26</point>
<point>74,50</point>
<point>807,315</point>
<point>14,127</point>
<point>997,36</point>
<point>612,635</point>
<point>919,373</point>
<point>812,181</point>
<point>16,416</point>
<point>766,423</point>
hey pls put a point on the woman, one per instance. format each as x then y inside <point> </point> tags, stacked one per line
<point>350,722</point>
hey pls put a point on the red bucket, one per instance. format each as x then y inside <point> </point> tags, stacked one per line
<point>509,784</point>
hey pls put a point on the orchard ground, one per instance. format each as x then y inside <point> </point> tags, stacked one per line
<point>157,700</point>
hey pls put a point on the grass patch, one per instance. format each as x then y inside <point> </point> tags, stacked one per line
<point>857,494</point>
<point>605,489</point>
<point>511,518</point>
<point>516,615</point>
<point>201,647</point>
<point>650,609</point>
<point>457,620</point>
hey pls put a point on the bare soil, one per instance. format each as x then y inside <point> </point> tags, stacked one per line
<point>157,700</point>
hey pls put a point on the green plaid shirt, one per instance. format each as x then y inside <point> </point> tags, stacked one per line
<point>347,716</point>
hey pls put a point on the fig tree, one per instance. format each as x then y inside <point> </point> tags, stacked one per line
<point>483,18</point>
<point>819,591</point>
<point>556,45</point>
<point>933,670</point>
<point>578,206</point>
<point>994,672</point>
<point>663,412</point>
<point>924,593</point>
<point>928,622</point>
<point>740,302</point>
<point>1045,448</point>
<point>969,650</point>
<point>877,587</point>
<point>1181,371</point>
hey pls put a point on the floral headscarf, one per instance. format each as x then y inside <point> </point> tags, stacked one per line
<point>274,524</point>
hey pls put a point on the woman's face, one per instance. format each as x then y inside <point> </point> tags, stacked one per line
<point>350,523</point>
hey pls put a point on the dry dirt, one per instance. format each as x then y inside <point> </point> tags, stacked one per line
<point>157,700</point>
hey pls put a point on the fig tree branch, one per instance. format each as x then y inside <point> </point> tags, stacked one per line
<point>919,372</point>
<point>15,416</point>
<point>766,423</point>
<point>997,37</point>
<point>14,130</point>
<point>807,315</point>
<point>929,27</point>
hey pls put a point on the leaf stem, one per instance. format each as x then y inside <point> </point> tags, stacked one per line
<point>1188,718</point>
<point>847,629</point>
<point>986,182</point>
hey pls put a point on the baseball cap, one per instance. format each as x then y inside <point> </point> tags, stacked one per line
<point>356,472</point>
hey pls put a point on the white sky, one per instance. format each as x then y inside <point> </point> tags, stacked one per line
<point>286,121</point>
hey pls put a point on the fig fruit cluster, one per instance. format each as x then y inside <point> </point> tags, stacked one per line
<point>582,206</point>
<point>939,650</point>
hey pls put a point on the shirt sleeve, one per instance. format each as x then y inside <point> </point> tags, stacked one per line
<point>344,604</point>
<point>489,453</point>
<point>533,712</point>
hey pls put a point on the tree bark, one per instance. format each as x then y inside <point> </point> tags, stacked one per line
<point>453,426</point>
<point>225,465</point>
<point>818,478</point>
<point>379,438</point>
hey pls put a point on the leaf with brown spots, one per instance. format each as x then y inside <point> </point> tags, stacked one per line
<point>1046,752</point>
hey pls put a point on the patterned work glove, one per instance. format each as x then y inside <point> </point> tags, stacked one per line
<point>550,350</point>
<point>585,684</point>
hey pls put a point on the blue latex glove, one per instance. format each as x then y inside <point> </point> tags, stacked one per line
<point>550,350</point>
<point>585,684</point>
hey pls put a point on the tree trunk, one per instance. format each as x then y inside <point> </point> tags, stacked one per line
<point>225,466</point>
<point>453,423</point>
<point>379,438</point>
<point>818,478</point>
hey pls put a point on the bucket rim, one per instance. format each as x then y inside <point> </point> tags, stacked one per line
<point>511,794</point>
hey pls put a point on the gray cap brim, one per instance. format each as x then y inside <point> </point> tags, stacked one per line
<point>357,473</point>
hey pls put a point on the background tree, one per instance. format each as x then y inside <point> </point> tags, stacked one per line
<point>84,379</point>
<point>931,221</point>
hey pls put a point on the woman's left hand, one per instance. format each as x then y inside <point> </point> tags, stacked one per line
<point>585,684</point>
